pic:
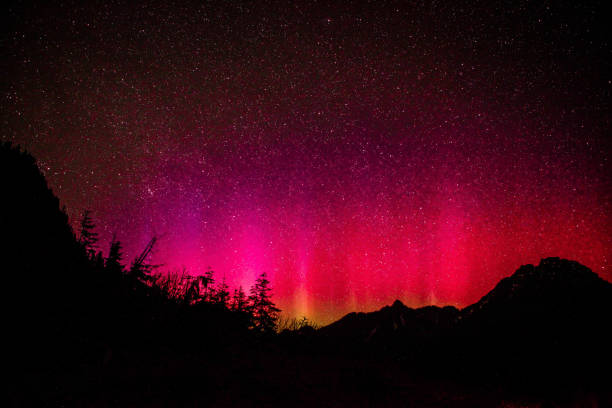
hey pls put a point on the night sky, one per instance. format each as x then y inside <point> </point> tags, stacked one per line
<point>359,153</point>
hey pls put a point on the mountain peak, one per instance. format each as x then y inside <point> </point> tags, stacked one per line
<point>398,304</point>
<point>554,281</point>
<point>554,287</point>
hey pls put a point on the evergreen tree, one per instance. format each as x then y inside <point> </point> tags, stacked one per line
<point>207,281</point>
<point>222,295</point>
<point>265,313</point>
<point>239,300</point>
<point>115,256</point>
<point>88,238</point>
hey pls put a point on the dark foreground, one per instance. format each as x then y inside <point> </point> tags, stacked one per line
<point>273,376</point>
<point>82,329</point>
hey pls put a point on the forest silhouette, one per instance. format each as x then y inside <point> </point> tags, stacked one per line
<point>86,329</point>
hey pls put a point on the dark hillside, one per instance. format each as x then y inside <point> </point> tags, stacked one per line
<point>89,330</point>
<point>545,325</point>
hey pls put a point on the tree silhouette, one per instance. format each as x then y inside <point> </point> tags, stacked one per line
<point>98,261</point>
<point>222,295</point>
<point>207,281</point>
<point>239,300</point>
<point>192,289</point>
<point>265,313</point>
<point>88,238</point>
<point>115,256</point>
<point>140,268</point>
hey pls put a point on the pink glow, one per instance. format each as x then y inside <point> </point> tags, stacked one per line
<point>443,254</point>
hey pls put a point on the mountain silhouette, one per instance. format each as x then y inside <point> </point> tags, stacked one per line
<point>393,321</point>
<point>555,285</point>
<point>550,302</point>
<point>558,289</point>
<point>544,326</point>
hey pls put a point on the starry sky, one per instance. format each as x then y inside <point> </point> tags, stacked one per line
<point>358,152</point>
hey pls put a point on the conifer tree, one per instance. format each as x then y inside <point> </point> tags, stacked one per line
<point>265,313</point>
<point>88,238</point>
<point>207,281</point>
<point>239,300</point>
<point>115,256</point>
<point>222,295</point>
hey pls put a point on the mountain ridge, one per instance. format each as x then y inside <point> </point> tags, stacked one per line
<point>552,280</point>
